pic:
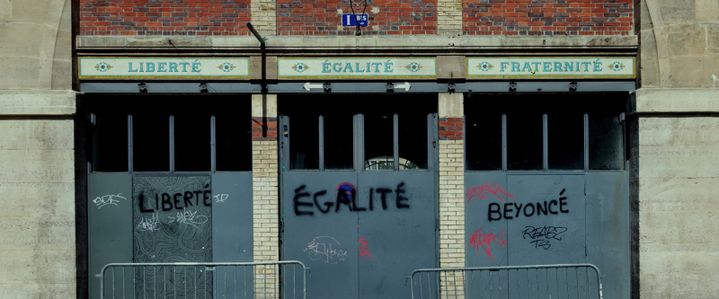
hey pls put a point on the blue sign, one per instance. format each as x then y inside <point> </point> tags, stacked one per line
<point>349,19</point>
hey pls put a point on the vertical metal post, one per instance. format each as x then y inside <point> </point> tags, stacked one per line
<point>358,140</point>
<point>432,141</point>
<point>504,142</point>
<point>545,142</point>
<point>213,144</point>
<point>172,143</point>
<point>321,146</point>
<point>395,141</point>
<point>130,155</point>
<point>586,141</point>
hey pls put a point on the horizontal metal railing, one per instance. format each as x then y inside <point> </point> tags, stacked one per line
<point>532,281</point>
<point>279,279</point>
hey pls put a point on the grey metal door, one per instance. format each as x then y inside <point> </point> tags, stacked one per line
<point>546,184</point>
<point>360,230</point>
<point>169,182</point>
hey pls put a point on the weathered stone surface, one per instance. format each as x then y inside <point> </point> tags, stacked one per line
<point>712,31</point>
<point>669,100</point>
<point>707,10</point>
<point>686,39</point>
<point>37,102</point>
<point>678,183</point>
<point>688,72</point>
<point>676,11</point>
<point>36,135</point>
<point>451,67</point>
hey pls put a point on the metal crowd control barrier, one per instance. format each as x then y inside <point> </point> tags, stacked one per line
<point>533,281</point>
<point>204,280</point>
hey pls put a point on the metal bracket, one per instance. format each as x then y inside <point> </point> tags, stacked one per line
<point>142,87</point>
<point>327,87</point>
<point>573,86</point>
<point>390,87</point>
<point>203,88</point>
<point>512,86</point>
<point>451,87</point>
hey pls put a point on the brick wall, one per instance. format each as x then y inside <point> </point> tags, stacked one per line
<point>313,17</point>
<point>548,17</point>
<point>164,17</point>
<point>386,17</point>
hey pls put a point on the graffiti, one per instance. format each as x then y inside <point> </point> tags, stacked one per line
<point>220,198</point>
<point>542,236</point>
<point>516,210</point>
<point>364,251</point>
<point>481,240</point>
<point>175,201</point>
<point>326,249</point>
<point>347,196</point>
<point>108,199</point>
<point>188,217</point>
<point>481,192</point>
<point>149,224</point>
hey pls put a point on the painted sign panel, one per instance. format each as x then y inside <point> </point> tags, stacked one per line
<point>164,68</point>
<point>357,68</point>
<point>580,67</point>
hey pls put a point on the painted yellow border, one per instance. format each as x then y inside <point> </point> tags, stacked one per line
<point>341,77</point>
<point>159,78</point>
<point>549,77</point>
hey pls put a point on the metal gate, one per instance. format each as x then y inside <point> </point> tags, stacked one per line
<point>193,280</point>
<point>363,228</point>
<point>163,185</point>
<point>534,281</point>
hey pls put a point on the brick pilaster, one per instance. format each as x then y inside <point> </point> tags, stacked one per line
<point>265,193</point>
<point>264,16</point>
<point>449,17</point>
<point>451,189</point>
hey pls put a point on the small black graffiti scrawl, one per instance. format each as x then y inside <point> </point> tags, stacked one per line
<point>542,236</point>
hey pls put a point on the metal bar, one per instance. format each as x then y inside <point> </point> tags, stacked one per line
<point>358,141</point>
<point>321,147</point>
<point>504,142</point>
<point>294,281</point>
<point>586,141</point>
<point>545,141</point>
<point>123,281</point>
<point>144,284</point>
<point>395,141</point>
<point>213,144</point>
<point>172,143</point>
<point>130,155</point>
<point>113,283</point>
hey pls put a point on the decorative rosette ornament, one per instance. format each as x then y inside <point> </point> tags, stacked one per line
<point>485,66</point>
<point>414,67</point>
<point>103,67</point>
<point>300,67</point>
<point>226,67</point>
